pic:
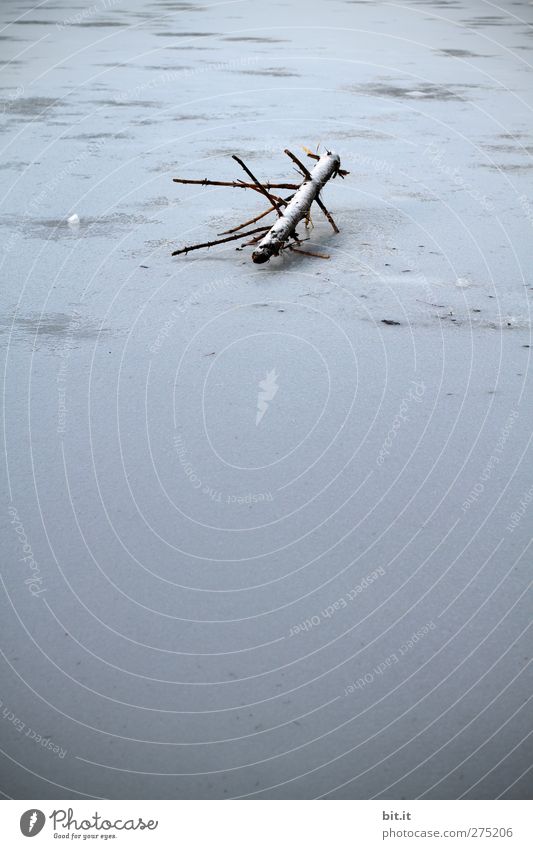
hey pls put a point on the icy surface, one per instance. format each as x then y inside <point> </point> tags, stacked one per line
<point>241,490</point>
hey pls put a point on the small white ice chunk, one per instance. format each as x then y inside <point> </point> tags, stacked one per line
<point>415,94</point>
<point>73,220</point>
<point>462,283</point>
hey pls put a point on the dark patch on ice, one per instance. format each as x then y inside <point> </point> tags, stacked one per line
<point>187,47</point>
<point>509,167</point>
<point>269,72</point>
<point>192,117</point>
<point>57,228</point>
<point>53,326</point>
<point>187,34</point>
<point>34,23</point>
<point>417,91</point>
<point>229,151</point>
<point>463,54</point>
<point>390,321</point>
<point>13,166</point>
<point>252,39</point>
<point>439,4</point>
<point>59,123</point>
<point>93,136</point>
<point>160,202</point>
<point>98,24</point>
<point>33,106</point>
<point>508,148</point>
<point>361,134</point>
<point>115,65</point>
<point>488,21</point>
<point>179,7</point>
<point>142,104</point>
<point>167,68</point>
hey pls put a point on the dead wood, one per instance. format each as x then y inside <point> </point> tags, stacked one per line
<point>290,210</point>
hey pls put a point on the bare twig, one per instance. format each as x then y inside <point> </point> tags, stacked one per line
<point>218,241</point>
<point>235,184</point>
<point>252,220</point>
<point>261,188</point>
<point>255,239</point>
<point>328,214</point>
<point>300,165</point>
<point>309,253</point>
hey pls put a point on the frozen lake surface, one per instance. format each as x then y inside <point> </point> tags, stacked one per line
<point>325,594</point>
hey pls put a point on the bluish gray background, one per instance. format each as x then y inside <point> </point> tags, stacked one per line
<point>176,543</point>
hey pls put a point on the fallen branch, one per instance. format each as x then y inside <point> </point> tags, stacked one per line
<point>261,188</point>
<point>307,175</point>
<point>297,208</point>
<point>235,184</point>
<point>290,210</point>
<point>218,241</point>
<point>250,221</point>
<point>308,253</point>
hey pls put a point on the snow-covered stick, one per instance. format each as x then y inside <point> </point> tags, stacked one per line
<point>298,208</point>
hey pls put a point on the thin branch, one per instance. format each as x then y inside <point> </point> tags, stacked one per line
<point>259,190</point>
<point>300,165</point>
<point>253,241</point>
<point>327,214</point>
<point>309,253</point>
<point>219,241</point>
<point>235,184</point>
<point>251,220</point>
<point>258,184</point>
